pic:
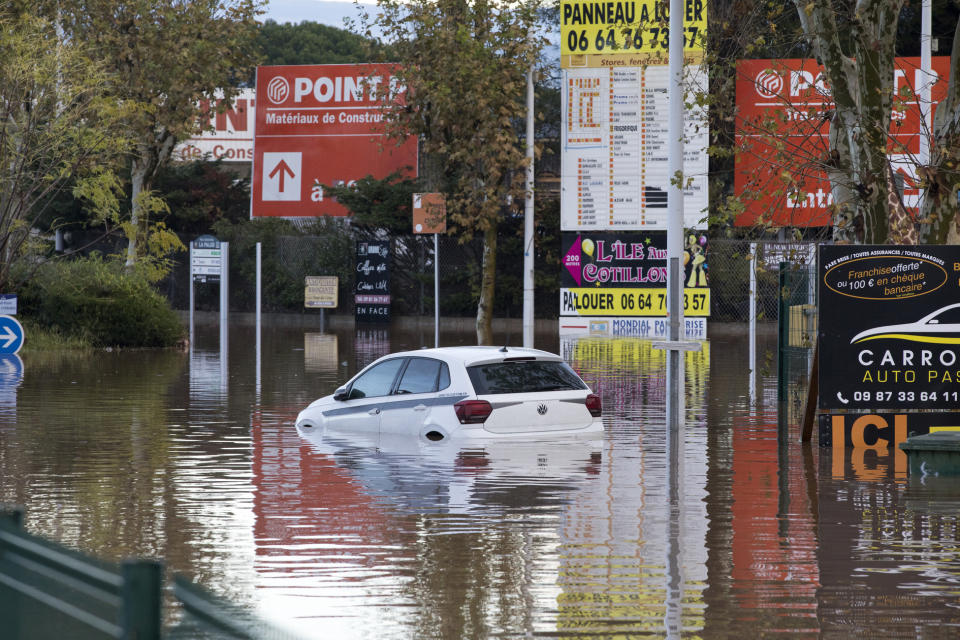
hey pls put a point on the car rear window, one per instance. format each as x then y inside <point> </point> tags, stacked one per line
<point>523,377</point>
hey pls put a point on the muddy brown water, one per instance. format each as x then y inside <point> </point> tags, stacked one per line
<point>193,458</point>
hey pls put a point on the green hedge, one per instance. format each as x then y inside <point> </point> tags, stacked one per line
<point>100,302</point>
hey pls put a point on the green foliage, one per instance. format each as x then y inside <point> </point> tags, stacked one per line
<point>102,192</point>
<point>464,66</point>
<point>378,204</point>
<point>201,193</point>
<point>168,56</point>
<point>310,43</point>
<point>55,125</point>
<point>100,302</point>
<point>325,247</point>
<point>50,339</point>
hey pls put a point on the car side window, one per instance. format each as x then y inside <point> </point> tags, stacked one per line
<point>378,381</point>
<point>421,376</point>
<point>950,316</point>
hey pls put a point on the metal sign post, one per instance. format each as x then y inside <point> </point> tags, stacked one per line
<point>224,310</point>
<point>430,216</point>
<point>209,262</point>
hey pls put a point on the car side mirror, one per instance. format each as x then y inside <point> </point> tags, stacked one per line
<point>340,394</point>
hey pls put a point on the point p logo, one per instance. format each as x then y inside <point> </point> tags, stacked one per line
<point>769,83</point>
<point>278,89</point>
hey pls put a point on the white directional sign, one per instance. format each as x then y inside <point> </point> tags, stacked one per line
<point>11,335</point>
<point>281,176</point>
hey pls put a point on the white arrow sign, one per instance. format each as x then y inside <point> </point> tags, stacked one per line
<point>281,176</point>
<point>11,334</point>
<point>7,337</point>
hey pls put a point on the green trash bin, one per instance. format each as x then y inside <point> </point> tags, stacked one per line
<point>933,454</point>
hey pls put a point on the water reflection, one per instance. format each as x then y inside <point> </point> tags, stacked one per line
<point>154,454</point>
<point>11,376</point>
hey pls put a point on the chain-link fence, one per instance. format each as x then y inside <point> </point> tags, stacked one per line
<point>797,338</point>
<point>288,259</point>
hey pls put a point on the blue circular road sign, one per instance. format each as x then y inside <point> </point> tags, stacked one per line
<point>11,335</point>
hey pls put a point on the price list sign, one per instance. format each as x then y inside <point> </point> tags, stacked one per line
<point>889,327</point>
<point>615,160</point>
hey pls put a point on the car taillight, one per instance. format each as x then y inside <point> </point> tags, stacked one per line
<point>594,406</point>
<point>472,411</point>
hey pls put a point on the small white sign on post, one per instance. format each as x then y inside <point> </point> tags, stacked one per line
<point>8,304</point>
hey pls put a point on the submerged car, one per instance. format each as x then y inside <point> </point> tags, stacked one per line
<point>469,392</point>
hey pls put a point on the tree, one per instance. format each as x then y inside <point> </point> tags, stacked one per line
<point>168,55</point>
<point>310,43</point>
<point>941,178</point>
<point>463,64</point>
<point>856,44</point>
<point>56,129</point>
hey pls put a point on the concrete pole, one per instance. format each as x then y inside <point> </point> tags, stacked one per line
<point>675,215</point>
<point>926,72</point>
<point>528,246</point>
<point>259,309</point>
<point>753,323</point>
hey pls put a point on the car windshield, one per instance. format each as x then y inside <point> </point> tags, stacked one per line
<point>523,377</point>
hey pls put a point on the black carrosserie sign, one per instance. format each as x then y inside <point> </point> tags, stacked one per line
<point>372,297</point>
<point>889,327</point>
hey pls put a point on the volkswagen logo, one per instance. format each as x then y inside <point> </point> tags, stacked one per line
<point>542,409</point>
<point>278,89</point>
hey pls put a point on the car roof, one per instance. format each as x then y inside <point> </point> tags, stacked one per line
<point>472,355</point>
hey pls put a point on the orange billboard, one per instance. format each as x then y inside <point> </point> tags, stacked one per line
<point>321,125</point>
<point>782,129</point>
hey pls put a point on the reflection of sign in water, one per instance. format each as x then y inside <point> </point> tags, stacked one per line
<point>11,335</point>
<point>320,292</point>
<point>11,376</point>
<point>372,298</point>
<point>320,352</point>
<point>890,320</point>
<point>853,435</point>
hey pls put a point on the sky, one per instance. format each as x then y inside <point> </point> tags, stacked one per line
<point>331,12</point>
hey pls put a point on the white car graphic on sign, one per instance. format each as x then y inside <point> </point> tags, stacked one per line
<point>940,327</point>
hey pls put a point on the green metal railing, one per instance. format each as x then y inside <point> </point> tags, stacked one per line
<point>796,339</point>
<point>49,591</point>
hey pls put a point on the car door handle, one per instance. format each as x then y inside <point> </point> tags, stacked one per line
<point>374,412</point>
<point>420,407</point>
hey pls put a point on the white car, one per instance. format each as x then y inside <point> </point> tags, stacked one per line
<point>463,392</point>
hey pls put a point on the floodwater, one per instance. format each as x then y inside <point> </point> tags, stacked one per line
<point>193,458</point>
